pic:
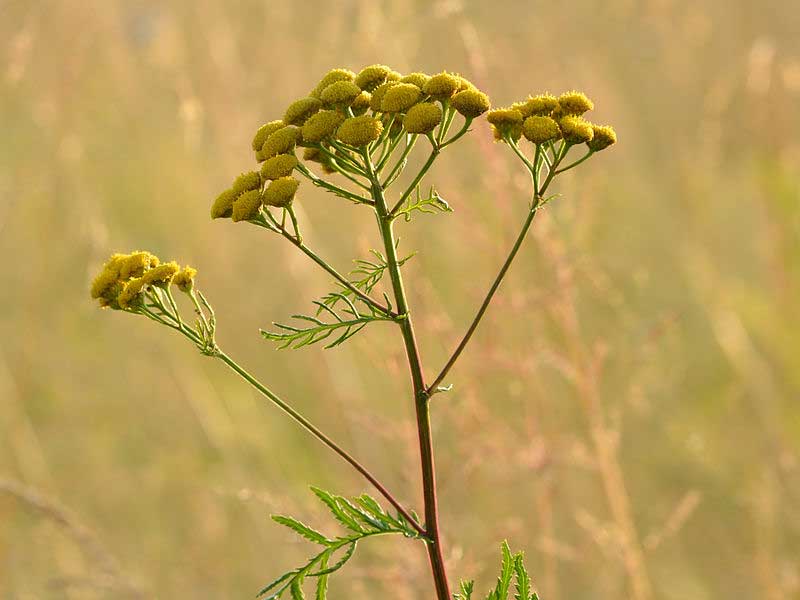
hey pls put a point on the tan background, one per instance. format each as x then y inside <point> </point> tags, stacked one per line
<point>653,310</point>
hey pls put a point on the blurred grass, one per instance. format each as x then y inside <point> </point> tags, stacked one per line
<point>657,301</point>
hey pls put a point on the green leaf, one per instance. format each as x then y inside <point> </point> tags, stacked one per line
<point>465,592</point>
<point>338,513</point>
<point>430,204</point>
<point>322,581</point>
<point>523,580</point>
<point>302,529</point>
<point>296,589</point>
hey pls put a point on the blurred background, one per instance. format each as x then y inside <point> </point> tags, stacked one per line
<point>628,413</point>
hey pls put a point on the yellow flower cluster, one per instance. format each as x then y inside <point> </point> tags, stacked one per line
<point>546,118</point>
<point>124,279</point>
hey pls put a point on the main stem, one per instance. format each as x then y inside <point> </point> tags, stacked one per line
<point>421,397</point>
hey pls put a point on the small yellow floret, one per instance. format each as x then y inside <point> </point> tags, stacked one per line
<point>300,110</point>
<point>540,129</point>
<point>400,97</point>
<point>418,79</point>
<point>223,205</point>
<point>371,77</point>
<point>246,206</point>
<point>278,166</point>
<point>359,131</point>
<point>282,141</point>
<point>423,118</point>
<point>281,192</point>
<point>574,103</point>
<point>471,103</point>
<point>341,93</point>
<point>575,129</point>
<point>246,182</point>
<point>443,86</point>
<point>184,279</point>
<point>604,136</point>
<point>321,126</point>
<point>264,132</point>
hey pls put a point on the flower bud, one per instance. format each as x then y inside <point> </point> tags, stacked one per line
<point>361,104</point>
<point>359,131</point>
<point>470,103</point>
<point>506,122</point>
<point>278,166</point>
<point>223,205</point>
<point>540,130</point>
<point>603,137</point>
<point>281,192</point>
<point>246,206</point>
<point>300,110</point>
<point>400,97</point>
<point>422,118</point>
<point>378,93</point>
<point>574,103</point>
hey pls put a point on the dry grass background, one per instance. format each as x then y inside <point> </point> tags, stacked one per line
<point>628,413</point>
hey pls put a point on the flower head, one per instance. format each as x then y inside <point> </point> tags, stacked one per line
<point>136,263</point>
<point>603,137</point>
<point>278,166</point>
<point>246,206</point>
<point>417,79</point>
<point>540,129</point>
<point>470,103</point>
<point>400,97</point>
<point>359,131</point>
<point>321,126</point>
<point>330,77</point>
<point>246,182</point>
<point>541,105</point>
<point>282,141</point>
<point>378,93</point>
<point>223,205</point>
<point>575,129</point>
<point>422,118</point>
<point>161,275</point>
<point>281,192</point>
<point>131,294</point>
<point>184,279</point>
<point>341,93</point>
<point>361,104</point>
<point>300,110</point>
<point>574,103</point>
<point>371,77</point>
<point>264,132</point>
<point>506,122</point>
<point>442,86</point>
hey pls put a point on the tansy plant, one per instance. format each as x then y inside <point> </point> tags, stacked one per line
<point>352,136</point>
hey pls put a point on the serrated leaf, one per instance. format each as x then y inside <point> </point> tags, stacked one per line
<point>302,529</point>
<point>338,513</point>
<point>296,589</point>
<point>322,581</point>
<point>465,590</point>
<point>522,579</point>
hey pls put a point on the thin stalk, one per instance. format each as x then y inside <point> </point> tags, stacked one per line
<point>433,388</point>
<point>417,179</point>
<point>421,398</point>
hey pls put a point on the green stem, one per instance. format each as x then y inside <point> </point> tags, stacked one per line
<point>421,398</point>
<point>417,179</point>
<point>313,430</point>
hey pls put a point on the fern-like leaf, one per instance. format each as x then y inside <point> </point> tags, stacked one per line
<point>430,204</point>
<point>339,327</point>
<point>362,517</point>
<point>512,569</point>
